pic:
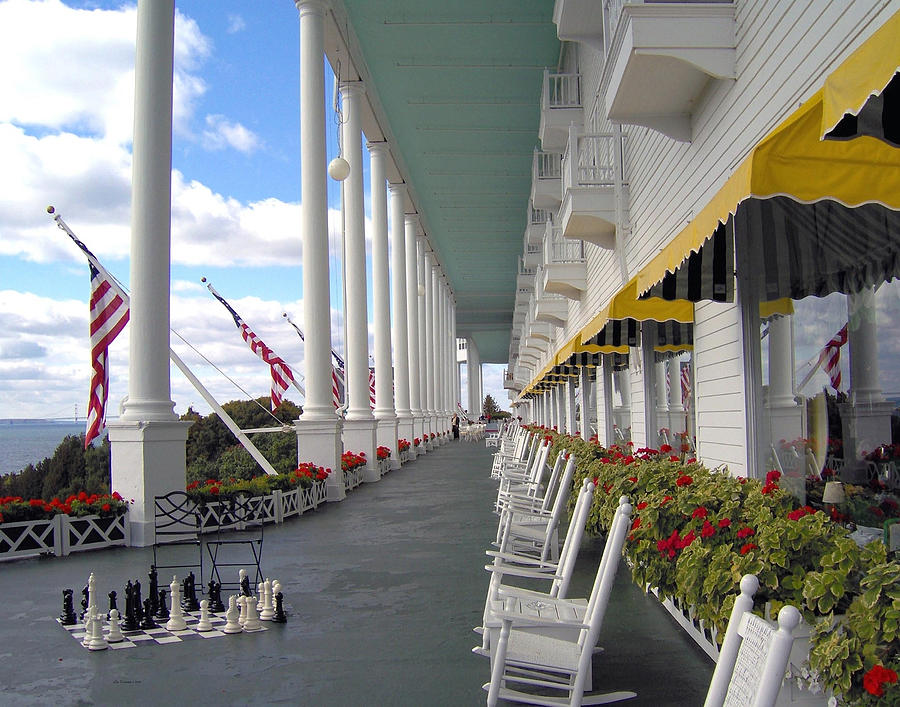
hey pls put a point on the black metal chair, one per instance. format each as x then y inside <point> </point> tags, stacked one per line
<point>241,527</point>
<point>177,524</point>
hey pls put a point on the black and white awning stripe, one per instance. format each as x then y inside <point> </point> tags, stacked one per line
<point>707,274</point>
<point>617,332</point>
<point>878,118</point>
<point>798,250</point>
<point>674,336</point>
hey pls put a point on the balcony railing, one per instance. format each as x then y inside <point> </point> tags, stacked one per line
<point>524,269</point>
<point>547,165</point>
<point>561,91</point>
<point>539,216</point>
<point>560,250</point>
<point>599,157</point>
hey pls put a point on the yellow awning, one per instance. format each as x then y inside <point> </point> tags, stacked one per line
<point>791,161</point>
<point>783,307</point>
<point>626,305</point>
<point>863,74</point>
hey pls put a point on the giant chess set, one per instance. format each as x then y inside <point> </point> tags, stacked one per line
<point>151,621</point>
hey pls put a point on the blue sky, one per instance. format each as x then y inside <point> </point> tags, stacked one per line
<point>65,131</point>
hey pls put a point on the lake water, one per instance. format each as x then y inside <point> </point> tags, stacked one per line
<point>22,444</point>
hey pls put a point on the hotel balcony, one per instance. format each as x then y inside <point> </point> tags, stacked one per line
<point>525,277</point>
<point>560,107</point>
<point>564,271</point>
<point>510,382</point>
<point>532,255</point>
<point>660,56</point>
<point>546,188</point>
<point>592,166</point>
<point>537,220</point>
<point>551,307</point>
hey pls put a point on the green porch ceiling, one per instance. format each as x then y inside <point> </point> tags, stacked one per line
<point>459,86</point>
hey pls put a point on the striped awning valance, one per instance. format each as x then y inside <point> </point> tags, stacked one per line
<point>616,336</point>
<point>862,96</point>
<point>706,274</point>
<point>674,337</point>
<point>799,250</point>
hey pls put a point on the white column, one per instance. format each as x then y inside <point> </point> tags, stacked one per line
<point>411,225</point>
<point>569,388</point>
<point>661,396</point>
<point>784,417</point>
<point>385,413</point>
<point>428,366</point>
<point>548,407</point>
<point>148,443</point>
<point>584,391</point>
<point>423,339</point>
<point>677,421</point>
<point>473,370</point>
<point>400,328</point>
<point>318,429</point>
<point>866,416</point>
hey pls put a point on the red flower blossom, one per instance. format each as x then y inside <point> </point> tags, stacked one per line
<point>746,532</point>
<point>665,500</point>
<point>800,512</point>
<point>725,522</point>
<point>773,476</point>
<point>684,480</point>
<point>106,507</point>
<point>876,677</point>
<point>214,490</point>
<point>699,512</point>
<point>632,479</point>
<point>642,505</point>
<point>748,547</point>
<point>708,530</point>
<point>673,458</point>
<point>636,524</point>
<point>665,448</point>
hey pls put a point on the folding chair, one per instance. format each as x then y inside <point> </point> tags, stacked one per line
<point>176,524</point>
<point>241,526</point>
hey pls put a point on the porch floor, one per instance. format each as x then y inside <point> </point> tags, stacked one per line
<point>383,590</point>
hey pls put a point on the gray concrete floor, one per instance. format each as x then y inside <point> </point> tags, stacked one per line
<point>383,589</point>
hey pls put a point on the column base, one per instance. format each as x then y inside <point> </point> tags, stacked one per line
<point>147,460</point>
<point>319,442</point>
<point>360,436</point>
<point>865,427</point>
<point>387,435</point>
<point>406,430</point>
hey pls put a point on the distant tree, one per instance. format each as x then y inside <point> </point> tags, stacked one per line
<point>490,407</point>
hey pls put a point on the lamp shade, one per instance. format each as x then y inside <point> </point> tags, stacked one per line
<point>834,492</point>
<point>339,169</point>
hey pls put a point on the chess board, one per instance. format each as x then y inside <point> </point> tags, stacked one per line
<point>160,636</point>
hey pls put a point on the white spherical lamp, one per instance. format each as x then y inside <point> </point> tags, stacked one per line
<point>339,169</point>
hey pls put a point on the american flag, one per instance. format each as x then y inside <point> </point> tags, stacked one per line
<point>831,357</point>
<point>108,316</point>
<point>337,370</point>
<point>685,384</point>
<point>371,387</point>
<point>282,376</point>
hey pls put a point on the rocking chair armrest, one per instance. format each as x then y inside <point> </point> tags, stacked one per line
<point>520,571</point>
<point>515,558</point>
<point>519,620</point>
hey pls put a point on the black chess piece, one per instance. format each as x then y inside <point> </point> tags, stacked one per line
<point>67,617</point>
<point>138,602</point>
<point>148,621</point>
<point>245,586</point>
<point>161,611</point>
<point>112,603</point>
<point>130,622</point>
<point>215,597</point>
<point>279,617</point>
<point>84,603</point>
<point>189,601</point>
<point>153,591</point>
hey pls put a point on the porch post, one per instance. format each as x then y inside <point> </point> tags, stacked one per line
<point>400,330</point>
<point>411,225</point>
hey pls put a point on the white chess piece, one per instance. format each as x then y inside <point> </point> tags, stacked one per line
<point>231,617</point>
<point>251,621</point>
<point>96,642</point>
<point>176,620</point>
<point>204,624</point>
<point>242,604</point>
<point>88,627</point>
<point>115,634</point>
<point>268,609</point>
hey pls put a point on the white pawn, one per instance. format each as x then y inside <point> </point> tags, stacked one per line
<point>231,617</point>
<point>115,634</point>
<point>251,620</point>
<point>242,603</point>
<point>176,620</point>
<point>268,610</point>
<point>96,642</point>
<point>204,624</point>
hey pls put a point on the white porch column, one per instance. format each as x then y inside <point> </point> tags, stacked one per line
<point>677,420</point>
<point>785,415</point>
<point>603,398</point>
<point>411,226</point>
<point>318,429</point>
<point>473,369</point>
<point>400,329</point>
<point>548,407</point>
<point>437,316</point>
<point>561,414</point>
<point>866,416</point>
<point>385,413</point>
<point>661,395</point>
<point>148,443</point>
<point>428,367</point>
<point>359,424</point>
<point>423,338</point>
<point>585,386</point>
<point>570,405</point>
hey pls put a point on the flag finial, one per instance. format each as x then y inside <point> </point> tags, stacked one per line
<point>51,210</point>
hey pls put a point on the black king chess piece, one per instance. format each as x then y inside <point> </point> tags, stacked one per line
<point>130,623</point>
<point>153,591</point>
<point>68,617</point>
<point>84,603</point>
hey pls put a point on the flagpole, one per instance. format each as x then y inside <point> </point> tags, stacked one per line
<point>207,396</point>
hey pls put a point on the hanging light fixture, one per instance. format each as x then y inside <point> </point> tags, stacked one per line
<point>338,168</point>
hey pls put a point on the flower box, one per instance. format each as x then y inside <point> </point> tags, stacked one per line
<point>62,534</point>
<point>404,456</point>
<point>353,477</point>
<point>93,532</point>
<point>27,538</point>
<point>384,466</point>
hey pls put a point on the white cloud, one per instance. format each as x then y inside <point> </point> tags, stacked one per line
<point>235,24</point>
<point>221,133</point>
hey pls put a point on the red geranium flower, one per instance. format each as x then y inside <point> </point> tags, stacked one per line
<point>746,532</point>
<point>708,530</point>
<point>748,547</point>
<point>636,524</point>
<point>642,505</point>
<point>876,677</point>
<point>684,480</point>
<point>773,476</point>
<point>699,512</point>
<point>725,522</point>
<point>665,448</point>
<point>665,500</point>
